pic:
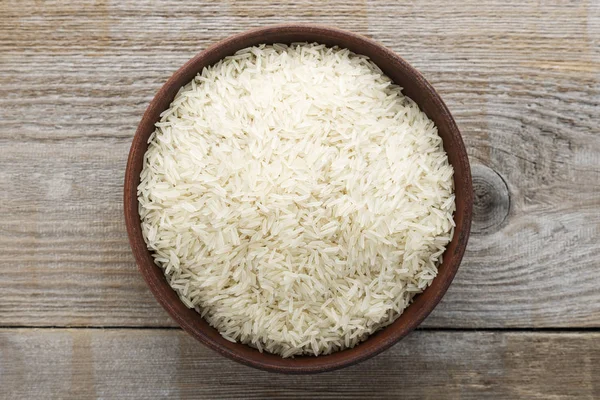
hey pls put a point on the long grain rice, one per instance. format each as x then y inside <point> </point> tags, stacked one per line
<point>296,198</point>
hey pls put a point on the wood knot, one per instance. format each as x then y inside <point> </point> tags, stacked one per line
<point>491,200</point>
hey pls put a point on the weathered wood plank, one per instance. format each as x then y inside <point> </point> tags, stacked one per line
<point>134,363</point>
<point>523,81</point>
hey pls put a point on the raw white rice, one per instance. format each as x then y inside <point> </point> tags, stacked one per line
<point>296,198</point>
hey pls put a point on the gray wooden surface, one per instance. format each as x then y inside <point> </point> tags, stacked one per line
<point>138,363</point>
<point>523,82</point>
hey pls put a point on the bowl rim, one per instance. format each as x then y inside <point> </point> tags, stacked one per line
<point>200,330</point>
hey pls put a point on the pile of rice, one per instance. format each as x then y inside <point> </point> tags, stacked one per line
<point>296,198</point>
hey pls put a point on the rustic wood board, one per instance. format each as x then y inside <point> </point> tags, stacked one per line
<point>132,363</point>
<point>523,82</point>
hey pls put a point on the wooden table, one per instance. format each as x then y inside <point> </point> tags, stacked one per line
<point>522,318</point>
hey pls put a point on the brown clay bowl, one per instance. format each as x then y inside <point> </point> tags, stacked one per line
<point>415,86</point>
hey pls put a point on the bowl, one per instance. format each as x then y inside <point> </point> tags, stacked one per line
<point>415,86</point>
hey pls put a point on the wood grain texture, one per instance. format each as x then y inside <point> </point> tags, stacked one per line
<point>133,363</point>
<point>522,80</point>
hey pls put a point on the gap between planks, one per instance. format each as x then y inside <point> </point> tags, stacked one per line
<point>420,329</point>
